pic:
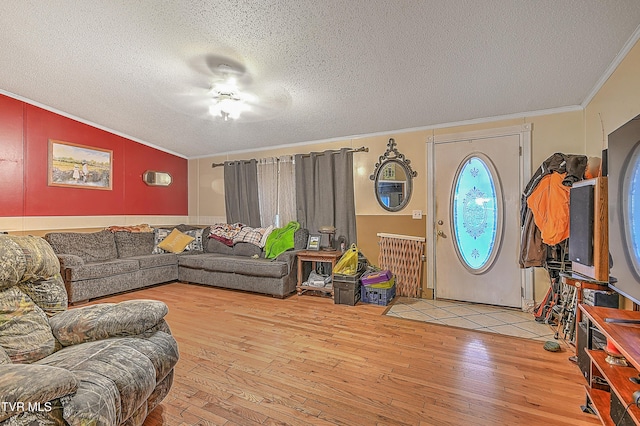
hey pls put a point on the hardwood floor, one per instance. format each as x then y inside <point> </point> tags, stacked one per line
<point>249,359</point>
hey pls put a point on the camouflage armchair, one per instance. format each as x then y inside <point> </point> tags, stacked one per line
<point>106,364</point>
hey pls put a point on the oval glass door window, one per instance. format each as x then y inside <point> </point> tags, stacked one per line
<point>631,209</point>
<point>476,213</point>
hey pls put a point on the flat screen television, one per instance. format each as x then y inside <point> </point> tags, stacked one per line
<point>624,208</point>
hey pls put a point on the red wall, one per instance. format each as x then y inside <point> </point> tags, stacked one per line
<point>25,131</point>
<point>11,158</point>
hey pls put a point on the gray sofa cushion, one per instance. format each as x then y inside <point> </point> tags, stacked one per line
<point>90,247</point>
<point>103,269</point>
<point>300,239</point>
<point>261,267</point>
<point>155,260</point>
<point>184,228</point>
<point>246,249</point>
<point>236,264</point>
<point>208,261</point>
<point>131,244</point>
<point>214,246</point>
<point>70,260</point>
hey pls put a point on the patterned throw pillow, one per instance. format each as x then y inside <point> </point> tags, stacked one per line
<point>196,244</point>
<point>175,242</point>
<point>159,234</point>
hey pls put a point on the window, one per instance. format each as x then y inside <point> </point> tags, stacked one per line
<point>476,213</point>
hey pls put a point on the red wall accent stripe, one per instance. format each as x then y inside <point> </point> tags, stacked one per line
<point>25,132</point>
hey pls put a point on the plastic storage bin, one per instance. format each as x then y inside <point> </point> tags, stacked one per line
<point>385,284</point>
<point>377,296</point>
<point>375,277</point>
<point>346,293</point>
<point>346,289</point>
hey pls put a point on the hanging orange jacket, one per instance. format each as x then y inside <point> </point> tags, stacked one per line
<point>549,203</point>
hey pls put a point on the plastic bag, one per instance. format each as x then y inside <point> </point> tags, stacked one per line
<point>348,263</point>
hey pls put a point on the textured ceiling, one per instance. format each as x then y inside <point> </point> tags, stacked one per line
<point>349,67</point>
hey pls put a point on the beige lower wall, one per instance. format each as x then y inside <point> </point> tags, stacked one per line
<point>370,225</point>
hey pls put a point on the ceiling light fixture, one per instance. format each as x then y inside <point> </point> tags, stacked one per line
<point>228,105</point>
<point>227,100</point>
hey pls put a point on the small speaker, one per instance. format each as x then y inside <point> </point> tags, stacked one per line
<point>581,224</point>
<point>583,359</point>
<point>598,342</point>
<point>603,165</point>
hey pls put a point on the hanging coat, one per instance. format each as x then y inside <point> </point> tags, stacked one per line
<point>549,203</point>
<point>572,165</point>
<point>533,252</point>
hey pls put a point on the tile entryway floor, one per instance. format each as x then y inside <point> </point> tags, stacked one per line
<point>494,319</point>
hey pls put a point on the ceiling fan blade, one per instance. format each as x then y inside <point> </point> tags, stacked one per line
<point>218,79</point>
<point>267,103</point>
<point>220,69</point>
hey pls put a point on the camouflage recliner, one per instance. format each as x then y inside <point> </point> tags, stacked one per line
<point>106,364</point>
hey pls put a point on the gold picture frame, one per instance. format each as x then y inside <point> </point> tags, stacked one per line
<point>78,166</point>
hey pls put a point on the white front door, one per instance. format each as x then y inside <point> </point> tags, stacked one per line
<point>477,187</point>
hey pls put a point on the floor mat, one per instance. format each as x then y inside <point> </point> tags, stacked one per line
<point>494,319</point>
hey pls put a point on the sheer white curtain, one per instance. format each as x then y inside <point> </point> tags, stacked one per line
<point>287,190</point>
<point>268,190</point>
<point>277,191</point>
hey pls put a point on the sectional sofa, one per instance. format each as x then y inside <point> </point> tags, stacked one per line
<point>98,264</point>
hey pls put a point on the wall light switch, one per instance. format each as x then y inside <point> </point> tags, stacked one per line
<point>417,214</point>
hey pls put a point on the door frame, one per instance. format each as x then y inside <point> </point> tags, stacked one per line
<point>524,134</point>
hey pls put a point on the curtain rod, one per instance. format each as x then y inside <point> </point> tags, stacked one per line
<point>361,149</point>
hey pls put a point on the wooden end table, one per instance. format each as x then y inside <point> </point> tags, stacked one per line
<point>314,257</point>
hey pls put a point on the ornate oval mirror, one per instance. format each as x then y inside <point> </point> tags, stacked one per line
<point>392,179</point>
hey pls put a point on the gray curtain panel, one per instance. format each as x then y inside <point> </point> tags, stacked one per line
<point>241,192</point>
<point>325,194</point>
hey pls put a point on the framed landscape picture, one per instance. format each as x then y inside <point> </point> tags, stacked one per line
<point>79,166</point>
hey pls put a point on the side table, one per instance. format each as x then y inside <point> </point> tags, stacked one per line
<point>314,257</point>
